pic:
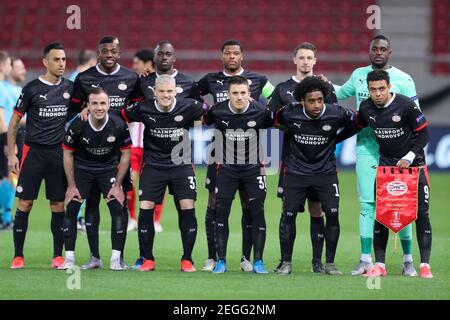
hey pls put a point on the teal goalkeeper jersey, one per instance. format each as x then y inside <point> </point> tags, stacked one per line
<point>356,85</point>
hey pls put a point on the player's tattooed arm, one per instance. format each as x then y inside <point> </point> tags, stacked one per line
<point>13,161</point>
<point>72,192</point>
<point>116,191</point>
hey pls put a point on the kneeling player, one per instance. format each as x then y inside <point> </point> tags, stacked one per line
<point>91,159</point>
<point>238,121</point>
<point>166,120</point>
<point>310,128</point>
<point>400,129</point>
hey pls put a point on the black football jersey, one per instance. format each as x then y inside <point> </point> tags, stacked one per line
<point>165,130</point>
<point>122,87</point>
<point>395,127</point>
<point>46,106</point>
<point>216,84</point>
<point>186,86</point>
<point>97,149</point>
<point>239,133</point>
<point>283,94</point>
<point>311,142</point>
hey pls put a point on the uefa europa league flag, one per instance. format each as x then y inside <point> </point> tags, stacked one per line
<point>396,196</point>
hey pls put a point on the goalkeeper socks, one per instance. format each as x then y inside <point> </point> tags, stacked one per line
<point>188,232</point>
<point>20,230</point>
<point>317,230</point>
<point>209,227</point>
<point>146,234</point>
<point>56,226</point>
<point>366,246</point>
<point>246,223</point>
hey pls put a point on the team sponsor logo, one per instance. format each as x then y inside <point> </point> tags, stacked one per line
<point>396,118</point>
<point>178,118</point>
<point>179,90</point>
<point>326,127</point>
<point>420,118</point>
<point>66,95</point>
<point>122,86</point>
<point>397,188</point>
<point>69,139</point>
<point>251,124</point>
<point>208,181</point>
<point>19,189</point>
<point>249,82</point>
<point>111,139</point>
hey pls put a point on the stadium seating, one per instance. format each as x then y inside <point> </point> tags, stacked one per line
<point>440,34</point>
<point>335,26</point>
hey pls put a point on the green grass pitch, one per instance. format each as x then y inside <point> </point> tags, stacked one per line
<point>38,281</point>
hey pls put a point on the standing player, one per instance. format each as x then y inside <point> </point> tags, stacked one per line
<point>238,121</point>
<point>91,158</point>
<point>123,87</point>
<point>164,59</point>
<point>86,59</point>
<point>401,132</point>
<point>310,127</point>
<point>166,120</point>
<point>9,99</point>
<point>367,149</point>
<point>216,84</point>
<point>142,63</point>
<point>305,59</point>
<point>45,101</point>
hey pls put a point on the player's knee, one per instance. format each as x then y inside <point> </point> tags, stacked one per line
<point>57,206</point>
<point>212,200</point>
<point>25,205</point>
<point>315,209</point>
<point>146,205</point>
<point>187,204</point>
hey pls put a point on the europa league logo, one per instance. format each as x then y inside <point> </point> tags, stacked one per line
<point>396,223</point>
